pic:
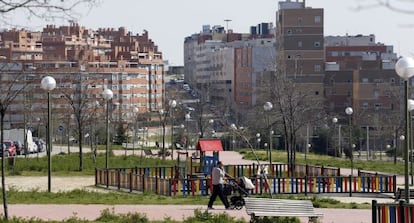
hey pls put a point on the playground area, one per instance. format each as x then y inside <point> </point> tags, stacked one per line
<point>191,176</point>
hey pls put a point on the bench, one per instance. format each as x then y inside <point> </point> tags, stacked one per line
<point>265,207</point>
<point>400,193</point>
<point>148,152</point>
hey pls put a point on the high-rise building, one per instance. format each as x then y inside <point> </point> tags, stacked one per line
<point>300,46</point>
<point>300,39</point>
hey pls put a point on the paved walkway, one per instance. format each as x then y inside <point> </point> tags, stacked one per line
<point>157,212</point>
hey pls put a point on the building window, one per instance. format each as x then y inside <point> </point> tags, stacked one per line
<point>299,43</point>
<point>318,19</point>
<point>364,80</point>
<point>377,106</point>
<point>317,68</point>
<point>376,94</point>
<point>365,105</point>
<point>316,92</point>
<point>289,31</point>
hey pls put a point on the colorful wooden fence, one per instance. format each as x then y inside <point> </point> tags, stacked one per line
<point>281,170</point>
<point>392,213</point>
<point>121,179</point>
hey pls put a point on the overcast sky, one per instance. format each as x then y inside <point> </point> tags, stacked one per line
<point>169,22</point>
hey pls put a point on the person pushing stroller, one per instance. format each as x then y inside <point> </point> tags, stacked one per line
<point>217,177</point>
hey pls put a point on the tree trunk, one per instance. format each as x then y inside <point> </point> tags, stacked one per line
<point>80,147</point>
<point>3,177</point>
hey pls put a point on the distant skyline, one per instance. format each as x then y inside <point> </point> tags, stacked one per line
<point>169,22</point>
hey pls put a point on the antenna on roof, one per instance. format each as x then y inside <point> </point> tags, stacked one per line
<point>227,24</point>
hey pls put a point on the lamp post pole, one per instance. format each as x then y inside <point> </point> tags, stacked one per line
<point>162,120</point>
<point>334,121</point>
<point>405,69</point>
<point>187,118</point>
<point>173,104</point>
<point>410,120</point>
<point>48,83</point>
<point>268,106</point>
<point>136,112</point>
<point>349,111</point>
<point>107,94</point>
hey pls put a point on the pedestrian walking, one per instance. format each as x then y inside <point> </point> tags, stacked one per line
<point>217,177</point>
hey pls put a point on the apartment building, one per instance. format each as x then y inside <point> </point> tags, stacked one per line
<point>300,39</point>
<point>357,61</point>
<point>223,65</point>
<point>300,46</point>
<point>83,62</point>
<point>361,73</point>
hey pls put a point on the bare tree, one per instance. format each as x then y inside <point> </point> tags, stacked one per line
<point>11,86</point>
<point>82,105</point>
<point>43,9</point>
<point>296,108</point>
<point>401,6</point>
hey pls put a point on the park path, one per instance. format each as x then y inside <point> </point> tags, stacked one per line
<point>155,212</point>
<point>158,212</point>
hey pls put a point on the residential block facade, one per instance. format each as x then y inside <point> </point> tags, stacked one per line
<point>83,62</point>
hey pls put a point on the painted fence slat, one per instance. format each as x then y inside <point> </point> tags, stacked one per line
<point>392,213</point>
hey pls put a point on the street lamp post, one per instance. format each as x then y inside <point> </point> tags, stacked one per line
<point>405,69</point>
<point>258,140</point>
<point>107,95</point>
<point>334,121</point>
<point>173,104</point>
<point>48,83</point>
<point>308,146</point>
<point>268,106</point>
<point>162,120</point>
<point>388,146</point>
<point>187,119</point>
<point>349,111</point>
<point>213,132</point>
<point>411,108</point>
<point>135,110</point>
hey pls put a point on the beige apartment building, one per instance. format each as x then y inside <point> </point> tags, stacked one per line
<point>83,62</point>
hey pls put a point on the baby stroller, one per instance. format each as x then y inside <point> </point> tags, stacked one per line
<point>238,189</point>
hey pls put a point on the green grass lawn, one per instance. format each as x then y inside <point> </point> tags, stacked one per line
<point>68,165</point>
